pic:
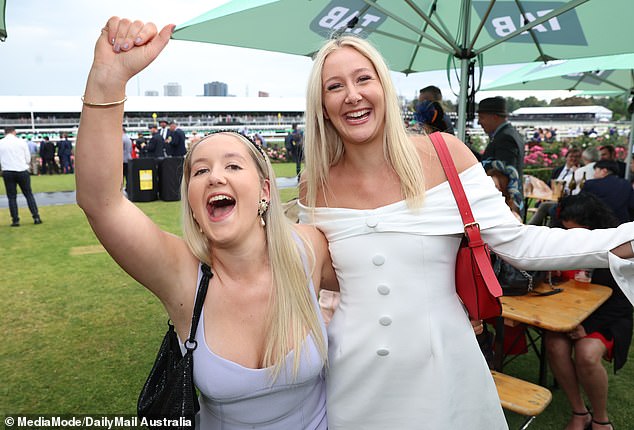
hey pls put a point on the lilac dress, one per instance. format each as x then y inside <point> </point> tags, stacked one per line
<point>234,397</point>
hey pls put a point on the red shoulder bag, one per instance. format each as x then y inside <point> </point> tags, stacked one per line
<point>476,284</point>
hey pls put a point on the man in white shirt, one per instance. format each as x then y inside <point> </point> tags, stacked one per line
<point>590,156</point>
<point>14,159</point>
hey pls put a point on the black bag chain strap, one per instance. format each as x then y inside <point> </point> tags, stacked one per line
<point>190,343</point>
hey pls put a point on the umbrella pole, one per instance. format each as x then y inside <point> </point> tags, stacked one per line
<point>464,72</point>
<point>462,99</point>
<point>628,158</point>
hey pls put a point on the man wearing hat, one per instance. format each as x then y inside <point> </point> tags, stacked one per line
<point>505,143</point>
<point>163,130</point>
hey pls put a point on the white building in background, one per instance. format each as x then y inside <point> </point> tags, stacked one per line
<point>55,114</point>
<point>563,113</point>
<point>172,89</point>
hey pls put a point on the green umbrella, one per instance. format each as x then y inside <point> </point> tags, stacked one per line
<point>605,75</point>
<point>425,35</point>
<point>3,25</point>
<point>609,73</point>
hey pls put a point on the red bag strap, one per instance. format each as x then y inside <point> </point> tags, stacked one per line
<point>452,177</point>
<point>471,228</point>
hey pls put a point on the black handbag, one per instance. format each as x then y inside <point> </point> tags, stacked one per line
<point>169,393</point>
<point>515,282</point>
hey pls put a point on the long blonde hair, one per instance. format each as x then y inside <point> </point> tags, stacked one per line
<point>292,313</point>
<point>323,147</point>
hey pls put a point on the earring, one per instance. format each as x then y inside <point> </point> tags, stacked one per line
<point>263,206</point>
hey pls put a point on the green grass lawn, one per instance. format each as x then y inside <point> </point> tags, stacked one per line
<point>81,335</point>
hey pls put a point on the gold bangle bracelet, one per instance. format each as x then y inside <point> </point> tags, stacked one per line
<point>120,102</point>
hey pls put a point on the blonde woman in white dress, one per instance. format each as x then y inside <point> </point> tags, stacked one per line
<point>402,352</point>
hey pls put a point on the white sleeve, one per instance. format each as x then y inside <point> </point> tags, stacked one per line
<point>542,248</point>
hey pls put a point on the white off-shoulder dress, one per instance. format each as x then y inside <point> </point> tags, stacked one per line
<point>402,352</point>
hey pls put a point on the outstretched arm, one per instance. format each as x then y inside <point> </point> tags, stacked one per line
<point>150,255</point>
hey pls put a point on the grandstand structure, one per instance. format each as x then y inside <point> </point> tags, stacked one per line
<point>563,113</point>
<point>52,115</point>
<point>272,117</point>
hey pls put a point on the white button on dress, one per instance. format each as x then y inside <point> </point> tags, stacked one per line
<point>385,320</point>
<point>378,260</point>
<point>383,289</point>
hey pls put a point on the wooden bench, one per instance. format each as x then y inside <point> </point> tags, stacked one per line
<point>521,397</point>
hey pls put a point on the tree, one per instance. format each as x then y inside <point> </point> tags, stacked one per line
<point>533,101</point>
<point>572,101</point>
<point>512,104</point>
<point>618,106</point>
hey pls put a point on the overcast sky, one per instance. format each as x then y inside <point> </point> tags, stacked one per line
<point>49,47</point>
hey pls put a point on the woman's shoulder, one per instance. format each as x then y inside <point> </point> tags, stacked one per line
<point>461,155</point>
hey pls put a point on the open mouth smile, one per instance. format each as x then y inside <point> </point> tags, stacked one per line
<point>219,206</point>
<point>358,115</point>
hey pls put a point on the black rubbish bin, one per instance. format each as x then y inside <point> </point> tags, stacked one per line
<point>170,171</point>
<point>142,180</point>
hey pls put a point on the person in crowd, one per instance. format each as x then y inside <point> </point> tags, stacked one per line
<point>294,144</point>
<point>575,357</point>
<point>506,180</point>
<point>175,143</point>
<point>608,152</point>
<point>34,165</point>
<point>505,142</point>
<point>163,129</point>
<point>260,336</point>
<point>381,198</point>
<point>563,173</point>
<point>65,152</point>
<point>47,152</point>
<point>589,157</point>
<point>566,171</point>
<point>259,139</point>
<point>140,143</point>
<point>193,138</point>
<point>14,160</point>
<point>430,117</point>
<point>615,192</point>
<point>433,94</point>
<point>127,154</point>
<point>155,147</point>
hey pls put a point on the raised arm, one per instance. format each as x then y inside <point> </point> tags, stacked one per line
<point>148,254</point>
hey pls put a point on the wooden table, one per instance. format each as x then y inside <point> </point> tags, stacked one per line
<point>560,312</point>
<point>542,197</point>
<point>539,198</point>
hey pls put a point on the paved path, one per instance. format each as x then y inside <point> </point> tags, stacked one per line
<point>68,197</point>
